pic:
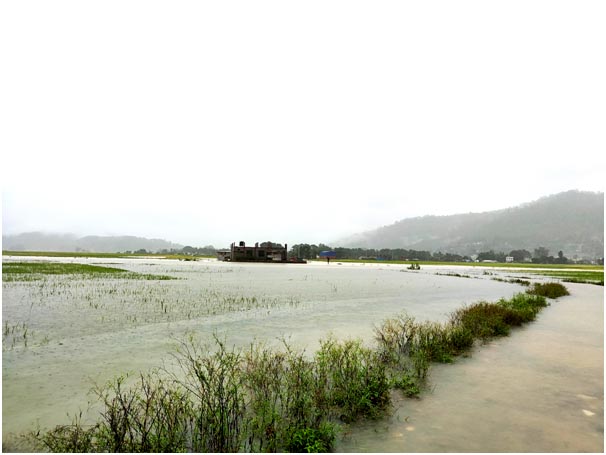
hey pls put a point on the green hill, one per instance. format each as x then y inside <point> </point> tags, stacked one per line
<point>571,221</point>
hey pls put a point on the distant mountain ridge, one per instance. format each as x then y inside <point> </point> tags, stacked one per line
<point>572,221</point>
<point>39,241</point>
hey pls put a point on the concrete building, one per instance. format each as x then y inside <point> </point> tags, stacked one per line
<point>267,252</point>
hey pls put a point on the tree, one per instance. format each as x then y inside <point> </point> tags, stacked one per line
<point>541,253</point>
<point>520,255</point>
<point>561,258</point>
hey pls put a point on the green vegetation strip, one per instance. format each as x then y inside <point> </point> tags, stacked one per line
<point>574,276</point>
<point>28,271</point>
<point>80,254</point>
<point>62,254</point>
<point>265,400</point>
<point>499,265</point>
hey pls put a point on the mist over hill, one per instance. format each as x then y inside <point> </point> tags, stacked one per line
<point>572,221</point>
<point>39,241</point>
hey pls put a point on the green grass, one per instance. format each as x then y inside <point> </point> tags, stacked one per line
<point>575,276</point>
<point>29,271</point>
<point>501,265</point>
<point>80,254</point>
<point>512,280</point>
<point>550,290</point>
<point>459,275</point>
<point>61,254</point>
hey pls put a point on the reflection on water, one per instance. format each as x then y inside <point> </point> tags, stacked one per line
<point>540,389</point>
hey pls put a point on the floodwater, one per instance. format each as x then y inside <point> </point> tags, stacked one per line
<point>541,389</point>
<point>538,390</point>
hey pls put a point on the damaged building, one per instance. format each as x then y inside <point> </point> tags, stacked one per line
<point>266,252</point>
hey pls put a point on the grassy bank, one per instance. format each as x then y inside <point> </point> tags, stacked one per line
<point>257,399</point>
<point>505,265</point>
<point>575,276</point>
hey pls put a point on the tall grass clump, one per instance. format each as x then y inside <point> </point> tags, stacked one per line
<point>200,410</point>
<point>352,379</point>
<point>215,389</point>
<point>285,407</point>
<point>408,347</point>
<point>486,320</point>
<point>229,400</point>
<point>149,416</point>
<point>550,290</point>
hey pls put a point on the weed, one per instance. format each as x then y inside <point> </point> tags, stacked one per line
<point>29,271</point>
<point>408,384</point>
<point>512,280</point>
<point>15,334</point>
<point>550,290</point>
<point>355,380</point>
<point>312,440</point>
<point>459,275</point>
<point>576,276</point>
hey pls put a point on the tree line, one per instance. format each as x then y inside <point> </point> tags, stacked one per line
<point>307,251</point>
<point>540,255</point>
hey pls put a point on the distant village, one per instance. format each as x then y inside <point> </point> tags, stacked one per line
<point>275,252</point>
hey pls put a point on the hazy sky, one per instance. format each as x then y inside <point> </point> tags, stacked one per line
<point>212,122</point>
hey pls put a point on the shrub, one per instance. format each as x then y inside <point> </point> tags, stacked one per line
<point>213,383</point>
<point>68,438</point>
<point>354,378</point>
<point>312,440</point>
<point>522,308</point>
<point>282,392</point>
<point>407,384</point>
<point>551,290</point>
<point>483,320</point>
<point>460,339</point>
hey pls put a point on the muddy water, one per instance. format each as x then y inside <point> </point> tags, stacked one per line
<point>87,331</point>
<point>539,390</point>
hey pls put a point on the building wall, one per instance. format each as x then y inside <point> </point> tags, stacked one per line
<point>258,254</point>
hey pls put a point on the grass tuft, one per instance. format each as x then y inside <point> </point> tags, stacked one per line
<point>549,290</point>
<point>31,271</point>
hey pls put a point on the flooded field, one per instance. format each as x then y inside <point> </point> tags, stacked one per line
<point>540,389</point>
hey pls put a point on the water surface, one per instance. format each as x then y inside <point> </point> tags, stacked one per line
<point>86,331</point>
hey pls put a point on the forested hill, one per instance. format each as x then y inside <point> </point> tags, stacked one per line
<point>572,222</point>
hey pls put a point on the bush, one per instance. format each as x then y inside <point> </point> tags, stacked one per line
<point>523,308</point>
<point>407,384</point>
<point>354,378</point>
<point>550,290</point>
<point>312,440</point>
<point>483,320</point>
<point>283,398</point>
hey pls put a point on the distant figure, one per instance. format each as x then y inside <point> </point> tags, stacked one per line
<point>328,259</point>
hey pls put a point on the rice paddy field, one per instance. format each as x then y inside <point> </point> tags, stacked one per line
<point>71,323</point>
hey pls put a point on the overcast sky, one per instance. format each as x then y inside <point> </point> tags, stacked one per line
<point>299,122</point>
